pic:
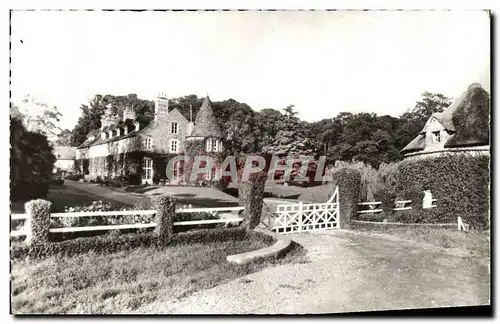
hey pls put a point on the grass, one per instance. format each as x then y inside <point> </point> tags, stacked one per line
<point>476,243</point>
<point>122,282</point>
<point>62,196</point>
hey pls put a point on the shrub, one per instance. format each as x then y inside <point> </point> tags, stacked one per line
<point>387,196</point>
<point>38,224</point>
<point>111,244</point>
<point>164,217</point>
<point>427,216</point>
<point>98,244</point>
<point>31,164</point>
<point>372,180</point>
<point>251,195</point>
<point>349,183</point>
<point>459,182</point>
<point>416,195</point>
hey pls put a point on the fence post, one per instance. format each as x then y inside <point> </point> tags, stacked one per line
<point>38,221</point>
<point>164,218</point>
<point>300,216</point>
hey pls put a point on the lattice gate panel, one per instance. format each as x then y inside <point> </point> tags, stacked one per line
<point>301,217</point>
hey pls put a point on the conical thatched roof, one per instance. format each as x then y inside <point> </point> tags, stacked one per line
<point>471,118</point>
<point>206,124</point>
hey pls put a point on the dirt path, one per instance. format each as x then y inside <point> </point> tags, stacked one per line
<point>346,271</point>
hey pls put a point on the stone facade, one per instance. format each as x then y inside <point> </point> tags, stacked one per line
<point>122,147</point>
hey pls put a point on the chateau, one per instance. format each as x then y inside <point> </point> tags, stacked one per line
<point>123,149</point>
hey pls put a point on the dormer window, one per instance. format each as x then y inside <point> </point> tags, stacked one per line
<point>436,136</point>
<point>175,128</point>
<point>148,143</point>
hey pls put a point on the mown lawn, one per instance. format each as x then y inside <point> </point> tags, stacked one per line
<point>62,196</point>
<point>122,282</point>
<point>475,243</point>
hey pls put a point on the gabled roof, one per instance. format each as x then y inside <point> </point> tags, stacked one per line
<point>65,152</point>
<point>206,124</point>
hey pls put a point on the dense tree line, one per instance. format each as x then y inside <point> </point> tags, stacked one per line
<point>364,137</point>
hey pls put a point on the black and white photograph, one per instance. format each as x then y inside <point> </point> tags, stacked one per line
<point>250,162</point>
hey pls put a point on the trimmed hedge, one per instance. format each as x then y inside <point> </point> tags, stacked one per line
<point>416,194</point>
<point>38,222</point>
<point>164,217</point>
<point>349,182</point>
<point>387,196</point>
<point>251,196</point>
<point>112,243</point>
<point>459,182</point>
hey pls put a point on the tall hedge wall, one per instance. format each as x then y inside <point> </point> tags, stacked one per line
<point>460,183</point>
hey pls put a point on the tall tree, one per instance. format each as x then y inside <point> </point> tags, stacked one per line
<point>64,138</point>
<point>32,161</point>
<point>37,116</point>
<point>292,137</point>
<point>268,121</point>
<point>289,112</point>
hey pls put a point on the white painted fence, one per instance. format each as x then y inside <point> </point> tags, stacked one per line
<point>226,214</point>
<point>375,204</point>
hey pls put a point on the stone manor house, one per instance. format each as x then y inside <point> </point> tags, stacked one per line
<point>123,149</point>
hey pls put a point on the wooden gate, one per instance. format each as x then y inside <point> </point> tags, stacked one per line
<point>297,218</point>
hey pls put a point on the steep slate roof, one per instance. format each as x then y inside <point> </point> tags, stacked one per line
<point>206,124</point>
<point>97,133</point>
<point>65,152</point>
<point>468,110</point>
<point>130,126</point>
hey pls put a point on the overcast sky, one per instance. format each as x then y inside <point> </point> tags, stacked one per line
<point>322,62</point>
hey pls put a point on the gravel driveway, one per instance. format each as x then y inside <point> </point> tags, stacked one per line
<point>346,271</point>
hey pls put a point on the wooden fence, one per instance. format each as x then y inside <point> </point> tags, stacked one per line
<point>374,206</point>
<point>217,212</point>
